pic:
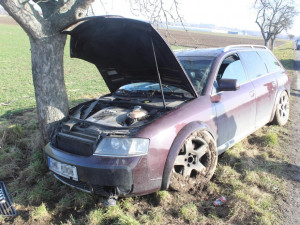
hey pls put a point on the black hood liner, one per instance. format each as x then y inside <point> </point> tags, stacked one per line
<point>122,51</point>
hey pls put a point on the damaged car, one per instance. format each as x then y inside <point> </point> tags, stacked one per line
<point>168,115</point>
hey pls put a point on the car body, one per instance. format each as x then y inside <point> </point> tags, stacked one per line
<point>166,114</point>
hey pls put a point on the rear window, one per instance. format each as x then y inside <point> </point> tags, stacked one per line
<point>271,62</point>
<point>254,65</point>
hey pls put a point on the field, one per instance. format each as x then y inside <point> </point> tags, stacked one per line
<point>250,175</point>
<point>209,40</point>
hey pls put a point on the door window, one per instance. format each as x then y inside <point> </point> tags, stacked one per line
<point>254,65</point>
<point>271,62</point>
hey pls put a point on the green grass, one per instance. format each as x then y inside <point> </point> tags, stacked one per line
<point>41,213</point>
<point>16,86</point>
<point>189,212</point>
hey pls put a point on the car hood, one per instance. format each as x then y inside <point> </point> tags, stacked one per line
<point>126,51</point>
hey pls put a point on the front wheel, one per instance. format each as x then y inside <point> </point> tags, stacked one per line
<point>196,162</point>
<point>282,109</point>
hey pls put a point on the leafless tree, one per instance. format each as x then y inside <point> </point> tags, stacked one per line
<point>274,16</point>
<point>47,47</point>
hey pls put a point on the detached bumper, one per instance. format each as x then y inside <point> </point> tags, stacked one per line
<point>100,175</point>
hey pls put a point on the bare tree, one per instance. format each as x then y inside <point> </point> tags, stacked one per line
<point>47,49</point>
<point>274,16</point>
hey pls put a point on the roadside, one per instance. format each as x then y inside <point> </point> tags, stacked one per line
<point>292,215</point>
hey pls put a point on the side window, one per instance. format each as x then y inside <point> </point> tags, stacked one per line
<point>271,62</point>
<point>232,68</point>
<point>254,65</point>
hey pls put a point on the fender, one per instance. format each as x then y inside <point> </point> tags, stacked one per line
<point>176,146</point>
<point>281,89</point>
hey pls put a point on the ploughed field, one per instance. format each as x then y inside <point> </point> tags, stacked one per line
<point>209,40</point>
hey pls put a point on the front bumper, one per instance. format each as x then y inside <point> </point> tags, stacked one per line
<point>106,176</point>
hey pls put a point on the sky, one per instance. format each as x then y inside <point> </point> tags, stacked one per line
<point>229,13</point>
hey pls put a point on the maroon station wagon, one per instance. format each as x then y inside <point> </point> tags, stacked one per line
<point>166,115</point>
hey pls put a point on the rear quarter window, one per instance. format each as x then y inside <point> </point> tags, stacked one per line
<point>254,65</point>
<point>271,62</point>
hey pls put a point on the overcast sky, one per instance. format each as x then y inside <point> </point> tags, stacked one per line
<point>230,13</point>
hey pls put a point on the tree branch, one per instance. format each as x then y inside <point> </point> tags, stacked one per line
<point>27,17</point>
<point>68,13</point>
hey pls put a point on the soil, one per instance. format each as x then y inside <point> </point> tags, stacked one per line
<point>7,20</point>
<point>292,213</point>
<point>209,40</point>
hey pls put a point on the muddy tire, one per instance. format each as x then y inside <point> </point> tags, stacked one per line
<point>282,110</point>
<point>196,162</point>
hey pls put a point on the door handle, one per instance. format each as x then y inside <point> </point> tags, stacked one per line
<point>252,93</point>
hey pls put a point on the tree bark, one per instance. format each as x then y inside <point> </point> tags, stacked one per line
<point>272,44</point>
<point>266,43</point>
<point>48,80</point>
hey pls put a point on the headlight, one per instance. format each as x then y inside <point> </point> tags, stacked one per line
<point>122,147</point>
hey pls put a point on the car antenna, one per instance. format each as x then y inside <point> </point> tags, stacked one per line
<point>158,74</point>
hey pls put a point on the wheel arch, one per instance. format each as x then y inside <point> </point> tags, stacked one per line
<point>176,145</point>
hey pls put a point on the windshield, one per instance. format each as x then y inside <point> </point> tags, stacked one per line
<point>150,89</point>
<point>198,69</point>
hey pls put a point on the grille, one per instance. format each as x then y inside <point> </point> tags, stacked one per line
<point>6,207</point>
<point>75,144</point>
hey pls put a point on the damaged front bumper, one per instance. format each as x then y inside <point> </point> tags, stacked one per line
<point>106,176</point>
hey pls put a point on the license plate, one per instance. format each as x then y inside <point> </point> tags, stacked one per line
<point>63,169</point>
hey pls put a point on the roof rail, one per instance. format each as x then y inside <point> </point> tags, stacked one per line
<point>244,46</point>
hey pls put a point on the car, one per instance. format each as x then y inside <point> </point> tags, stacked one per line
<point>297,44</point>
<point>168,115</point>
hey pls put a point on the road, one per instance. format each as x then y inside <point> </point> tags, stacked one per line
<point>292,215</point>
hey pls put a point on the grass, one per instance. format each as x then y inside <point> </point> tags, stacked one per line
<point>16,85</point>
<point>41,213</point>
<point>249,174</point>
<point>189,212</point>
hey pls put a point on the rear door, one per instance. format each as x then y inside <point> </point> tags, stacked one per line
<point>235,109</point>
<point>264,83</point>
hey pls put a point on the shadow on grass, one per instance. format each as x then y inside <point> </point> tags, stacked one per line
<point>281,169</point>
<point>289,64</point>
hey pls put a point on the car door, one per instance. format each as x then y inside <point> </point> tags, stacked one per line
<point>235,109</point>
<point>264,83</point>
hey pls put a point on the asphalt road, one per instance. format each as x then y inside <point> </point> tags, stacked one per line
<point>292,214</point>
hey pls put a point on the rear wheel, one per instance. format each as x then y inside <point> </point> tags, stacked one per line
<point>196,162</point>
<point>282,109</point>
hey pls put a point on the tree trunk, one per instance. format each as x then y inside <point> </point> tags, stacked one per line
<point>266,42</point>
<point>48,80</point>
<point>272,44</point>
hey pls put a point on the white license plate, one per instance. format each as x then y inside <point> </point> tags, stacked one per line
<point>63,169</point>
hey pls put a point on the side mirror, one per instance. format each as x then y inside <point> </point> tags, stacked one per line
<point>228,85</point>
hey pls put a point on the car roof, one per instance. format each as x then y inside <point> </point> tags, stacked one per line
<point>213,52</point>
<point>199,52</point>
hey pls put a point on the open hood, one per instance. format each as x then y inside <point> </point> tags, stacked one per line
<point>126,51</point>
